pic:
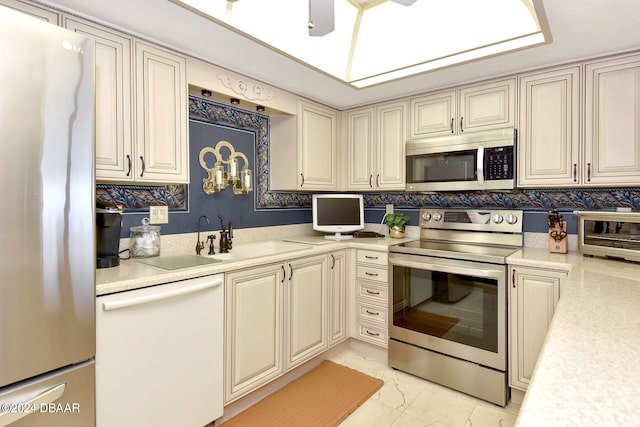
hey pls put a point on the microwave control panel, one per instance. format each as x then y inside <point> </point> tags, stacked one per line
<point>498,163</point>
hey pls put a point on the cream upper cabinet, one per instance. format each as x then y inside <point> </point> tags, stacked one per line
<point>141,108</point>
<point>253,328</point>
<point>317,155</point>
<point>303,150</point>
<point>466,109</point>
<point>337,297</point>
<point>549,136</point>
<point>612,122</point>
<point>113,97</point>
<point>533,296</point>
<point>375,147</point>
<point>162,146</point>
<point>34,10</point>
<point>306,309</point>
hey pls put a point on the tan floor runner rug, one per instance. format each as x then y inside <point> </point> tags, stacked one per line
<point>323,397</point>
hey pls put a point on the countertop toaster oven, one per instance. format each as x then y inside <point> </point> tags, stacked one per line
<point>609,234</point>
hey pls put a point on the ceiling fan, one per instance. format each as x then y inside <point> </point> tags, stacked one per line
<point>321,16</point>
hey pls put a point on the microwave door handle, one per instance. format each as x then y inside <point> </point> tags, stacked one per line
<point>480,165</point>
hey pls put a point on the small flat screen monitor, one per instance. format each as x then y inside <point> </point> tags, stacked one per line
<point>337,214</point>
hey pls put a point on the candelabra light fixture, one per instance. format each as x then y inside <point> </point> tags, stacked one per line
<point>220,177</point>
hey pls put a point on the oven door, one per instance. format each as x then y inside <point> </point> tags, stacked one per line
<point>453,307</point>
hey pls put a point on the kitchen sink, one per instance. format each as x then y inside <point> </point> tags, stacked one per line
<point>259,249</point>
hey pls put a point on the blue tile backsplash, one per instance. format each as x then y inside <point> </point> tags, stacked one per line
<point>248,131</point>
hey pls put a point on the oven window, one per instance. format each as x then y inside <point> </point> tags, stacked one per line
<point>442,167</point>
<point>453,307</point>
<point>623,235</point>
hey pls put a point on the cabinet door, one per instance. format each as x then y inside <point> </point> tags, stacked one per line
<point>34,10</point>
<point>487,106</point>
<point>433,115</point>
<point>317,157</point>
<point>113,130</point>
<point>360,149</point>
<point>549,138</point>
<point>612,133</point>
<point>253,328</point>
<point>162,153</point>
<point>337,297</point>
<point>305,309</point>
<point>534,294</point>
<point>390,153</point>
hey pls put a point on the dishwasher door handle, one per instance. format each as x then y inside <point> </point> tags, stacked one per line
<point>160,295</point>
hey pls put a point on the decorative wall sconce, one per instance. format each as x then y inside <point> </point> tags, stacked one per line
<point>219,178</point>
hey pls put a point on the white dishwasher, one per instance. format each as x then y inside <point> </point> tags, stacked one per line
<point>159,358</point>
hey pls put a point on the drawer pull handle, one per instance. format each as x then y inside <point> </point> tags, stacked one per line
<point>372,333</point>
<point>372,293</point>
<point>370,257</point>
<point>372,313</point>
<point>371,274</point>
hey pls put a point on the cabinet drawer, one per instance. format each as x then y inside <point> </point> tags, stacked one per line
<point>371,257</point>
<point>374,334</point>
<point>371,312</point>
<point>371,273</point>
<point>372,292</point>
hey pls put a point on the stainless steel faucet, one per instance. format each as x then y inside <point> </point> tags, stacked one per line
<point>200,244</point>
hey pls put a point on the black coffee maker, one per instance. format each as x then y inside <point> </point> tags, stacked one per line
<point>108,225</point>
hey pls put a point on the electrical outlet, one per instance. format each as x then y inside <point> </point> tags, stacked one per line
<point>389,209</point>
<point>158,214</point>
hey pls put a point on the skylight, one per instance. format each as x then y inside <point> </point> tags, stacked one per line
<point>379,40</point>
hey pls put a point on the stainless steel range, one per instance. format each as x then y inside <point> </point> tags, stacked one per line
<point>449,300</point>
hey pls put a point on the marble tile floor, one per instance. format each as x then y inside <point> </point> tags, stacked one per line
<point>407,401</point>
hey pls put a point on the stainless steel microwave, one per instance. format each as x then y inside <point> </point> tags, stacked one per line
<point>475,161</point>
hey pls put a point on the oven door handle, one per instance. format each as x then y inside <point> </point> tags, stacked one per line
<point>473,272</point>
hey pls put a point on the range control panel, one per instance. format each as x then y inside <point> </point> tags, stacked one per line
<point>499,220</point>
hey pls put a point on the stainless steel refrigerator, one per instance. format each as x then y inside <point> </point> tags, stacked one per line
<point>47,249</point>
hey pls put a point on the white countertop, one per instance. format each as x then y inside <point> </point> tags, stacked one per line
<point>132,274</point>
<point>588,372</point>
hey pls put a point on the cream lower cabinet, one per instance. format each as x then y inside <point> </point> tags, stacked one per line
<point>372,297</point>
<point>337,297</point>
<point>533,295</point>
<point>280,315</point>
<point>612,122</point>
<point>375,147</point>
<point>467,109</point>
<point>549,137</point>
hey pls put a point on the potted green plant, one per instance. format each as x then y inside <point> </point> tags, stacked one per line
<point>396,223</point>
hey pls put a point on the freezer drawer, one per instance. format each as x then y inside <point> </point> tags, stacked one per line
<point>61,398</point>
<point>159,359</point>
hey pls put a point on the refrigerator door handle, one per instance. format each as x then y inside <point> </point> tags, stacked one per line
<point>158,296</point>
<point>14,411</point>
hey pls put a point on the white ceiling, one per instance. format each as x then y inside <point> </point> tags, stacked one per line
<point>580,29</point>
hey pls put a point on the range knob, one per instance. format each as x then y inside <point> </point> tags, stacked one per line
<point>437,216</point>
<point>497,218</point>
<point>512,219</point>
<point>426,216</point>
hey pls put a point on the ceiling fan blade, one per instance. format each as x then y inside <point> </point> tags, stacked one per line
<point>404,2</point>
<point>321,19</point>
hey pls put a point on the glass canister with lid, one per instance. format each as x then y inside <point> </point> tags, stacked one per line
<point>144,240</point>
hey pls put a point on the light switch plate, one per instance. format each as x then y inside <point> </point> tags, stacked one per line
<point>158,214</point>
<point>389,209</point>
